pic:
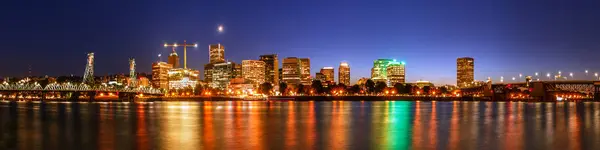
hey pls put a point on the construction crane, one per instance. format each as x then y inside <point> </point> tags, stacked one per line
<point>185,45</point>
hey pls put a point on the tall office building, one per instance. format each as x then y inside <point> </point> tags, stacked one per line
<point>216,53</point>
<point>290,71</point>
<point>271,68</point>
<point>208,70</point>
<point>305,71</point>
<point>253,71</point>
<point>379,71</point>
<point>320,76</point>
<point>173,59</point>
<point>395,72</point>
<point>160,76</point>
<point>280,76</point>
<point>328,72</point>
<point>221,74</point>
<point>465,68</point>
<point>237,70</point>
<point>344,73</point>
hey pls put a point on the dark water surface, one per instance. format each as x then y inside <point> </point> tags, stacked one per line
<point>300,125</point>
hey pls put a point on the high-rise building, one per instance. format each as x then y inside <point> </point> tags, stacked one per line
<point>216,53</point>
<point>395,72</point>
<point>344,73</point>
<point>253,71</point>
<point>320,76</point>
<point>173,59</point>
<point>465,68</point>
<point>222,73</point>
<point>328,72</point>
<point>291,72</point>
<point>208,70</point>
<point>379,70</point>
<point>160,76</point>
<point>280,76</point>
<point>271,68</point>
<point>237,70</point>
<point>305,71</point>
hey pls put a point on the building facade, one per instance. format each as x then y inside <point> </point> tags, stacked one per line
<point>173,59</point>
<point>216,53</point>
<point>253,71</point>
<point>320,76</point>
<point>395,72</point>
<point>305,78</point>
<point>180,78</point>
<point>379,70</point>
<point>465,68</point>
<point>221,75</point>
<point>328,72</point>
<point>208,70</point>
<point>291,71</point>
<point>344,73</point>
<point>160,76</point>
<point>271,68</point>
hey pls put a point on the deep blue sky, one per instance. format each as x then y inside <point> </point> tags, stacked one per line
<point>505,37</point>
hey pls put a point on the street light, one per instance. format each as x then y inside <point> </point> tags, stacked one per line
<point>520,75</point>
<point>501,78</point>
<point>548,75</point>
<point>571,75</point>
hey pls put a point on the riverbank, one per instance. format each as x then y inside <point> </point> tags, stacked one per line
<point>301,98</point>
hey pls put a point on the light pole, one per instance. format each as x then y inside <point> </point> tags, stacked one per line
<point>548,75</point>
<point>520,75</point>
<point>501,79</point>
<point>596,75</point>
<point>571,75</point>
<point>185,45</point>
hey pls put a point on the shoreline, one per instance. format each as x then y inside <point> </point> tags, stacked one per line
<point>305,98</point>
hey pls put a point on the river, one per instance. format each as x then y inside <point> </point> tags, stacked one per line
<point>300,125</point>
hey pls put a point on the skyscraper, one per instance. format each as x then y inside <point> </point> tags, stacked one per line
<point>305,71</point>
<point>160,76</point>
<point>253,71</point>
<point>208,70</point>
<point>344,73</point>
<point>328,72</point>
<point>237,70</point>
<point>221,74</point>
<point>379,72</point>
<point>173,59</point>
<point>395,72</point>
<point>290,71</point>
<point>271,68</point>
<point>216,53</point>
<point>465,68</point>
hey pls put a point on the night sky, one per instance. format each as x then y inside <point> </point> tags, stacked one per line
<point>506,37</point>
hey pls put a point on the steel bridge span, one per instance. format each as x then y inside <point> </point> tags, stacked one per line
<point>73,91</point>
<point>538,90</point>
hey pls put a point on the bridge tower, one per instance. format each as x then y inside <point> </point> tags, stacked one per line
<point>132,76</point>
<point>88,76</point>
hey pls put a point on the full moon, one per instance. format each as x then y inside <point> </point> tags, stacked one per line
<point>220,28</point>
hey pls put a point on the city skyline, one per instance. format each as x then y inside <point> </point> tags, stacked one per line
<point>503,42</point>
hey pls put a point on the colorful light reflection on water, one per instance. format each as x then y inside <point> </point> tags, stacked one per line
<point>300,125</point>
